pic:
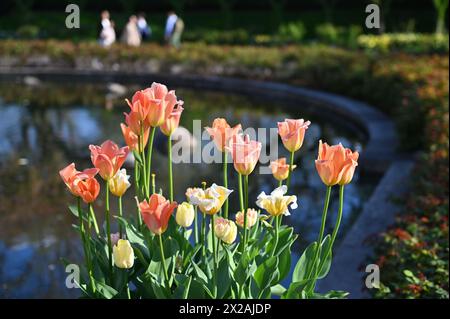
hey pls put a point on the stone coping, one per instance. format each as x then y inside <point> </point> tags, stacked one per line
<point>382,141</point>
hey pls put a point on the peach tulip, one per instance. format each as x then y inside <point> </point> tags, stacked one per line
<point>336,164</point>
<point>280,169</point>
<point>221,133</point>
<point>245,153</point>
<point>71,176</point>
<point>172,119</point>
<point>156,213</point>
<point>88,189</point>
<point>163,102</point>
<point>252,218</point>
<point>108,158</point>
<point>292,133</point>
<point>134,122</point>
<point>132,139</point>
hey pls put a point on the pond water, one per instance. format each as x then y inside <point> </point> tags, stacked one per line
<point>44,127</point>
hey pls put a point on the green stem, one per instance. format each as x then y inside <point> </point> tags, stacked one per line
<point>136,185</point>
<point>213,240</point>
<point>83,241</point>
<point>94,219</point>
<point>291,164</point>
<point>241,202</point>
<point>108,231</point>
<point>149,157</point>
<point>153,183</point>
<point>280,183</point>
<point>245,209</point>
<point>322,230</point>
<point>203,236</point>
<point>225,182</point>
<point>276,235</point>
<point>128,291</point>
<point>163,260</point>
<point>121,215</point>
<point>144,167</point>
<point>169,150</point>
<point>195,224</point>
<point>335,230</point>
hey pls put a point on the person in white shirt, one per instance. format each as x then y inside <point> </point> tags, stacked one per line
<point>130,35</point>
<point>108,35</point>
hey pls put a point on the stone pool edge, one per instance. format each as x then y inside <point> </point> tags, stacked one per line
<point>380,155</point>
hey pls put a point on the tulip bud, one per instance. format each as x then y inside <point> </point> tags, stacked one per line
<point>123,254</point>
<point>185,214</point>
<point>252,217</point>
<point>225,229</point>
<point>119,183</point>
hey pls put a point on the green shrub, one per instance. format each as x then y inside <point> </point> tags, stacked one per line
<point>28,32</point>
<point>291,32</point>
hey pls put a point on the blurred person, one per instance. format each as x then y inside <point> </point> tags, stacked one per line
<point>105,21</point>
<point>108,35</point>
<point>144,28</point>
<point>131,35</point>
<point>174,29</point>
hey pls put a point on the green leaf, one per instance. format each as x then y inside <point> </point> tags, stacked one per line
<point>105,291</point>
<point>305,263</point>
<point>223,278</point>
<point>135,237</point>
<point>183,285</point>
<point>137,157</point>
<point>74,210</point>
<point>266,273</point>
<point>200,274</point>
<point>296,290</point>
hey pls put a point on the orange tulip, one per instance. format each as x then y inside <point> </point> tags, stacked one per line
<point>292,133</point>
<point>172,120</point>
<point>88,189</point>
<point>132,139</point>
<point>221,132</point>
<point>72,177</point>
<point>245,153</point>
<point>156,213</point>
<point>336,164</point>
<point>108,158</point>
<point>280,169</point>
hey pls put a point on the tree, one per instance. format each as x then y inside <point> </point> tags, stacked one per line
<point>441,7</point>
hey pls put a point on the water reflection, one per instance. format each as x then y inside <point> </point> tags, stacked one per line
<point>44,128</point>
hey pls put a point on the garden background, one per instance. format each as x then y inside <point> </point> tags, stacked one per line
<point>401,69</point>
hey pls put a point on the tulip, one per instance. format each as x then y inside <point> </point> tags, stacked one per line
<point>336,164</point>
<point>108,158</point>
<point>280,169</point>
<point>88,189</point>
<point>172,120</point>
<point>71,177</point>
<point>211,200</point>
<point>194,192</point>
<point>123,254</point>
<point>225,230</point>
<point>119,183</point>
<point>162,103</point>
<point>156,213</point>
<point>185,215</point>
<point>134,122</point>
<point>252,217</point>
<point>292,133</point>
<point>245,153</point>
<point>221,133</point>
<point>132,138</point>
<point>276,203</point>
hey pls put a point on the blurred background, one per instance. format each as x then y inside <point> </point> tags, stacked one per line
<point>47,121</point>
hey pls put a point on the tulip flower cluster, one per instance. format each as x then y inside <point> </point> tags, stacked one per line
<point>168,250</point>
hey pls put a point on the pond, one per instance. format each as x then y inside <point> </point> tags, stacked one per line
<point>45,126</point>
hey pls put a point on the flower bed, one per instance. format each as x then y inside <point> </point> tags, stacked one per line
<point>413,89</point>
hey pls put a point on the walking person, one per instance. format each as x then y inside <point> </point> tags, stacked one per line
<point>144,28</point>
<point>131,35</point>
<point>174,29</point>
